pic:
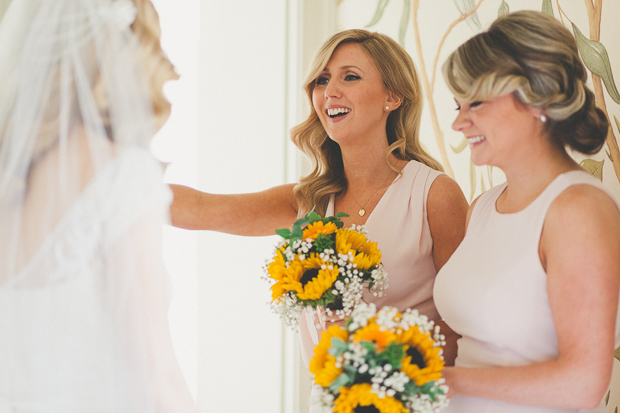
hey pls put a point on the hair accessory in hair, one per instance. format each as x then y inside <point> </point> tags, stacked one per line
<point>543,118</point>
<point>121,12</point>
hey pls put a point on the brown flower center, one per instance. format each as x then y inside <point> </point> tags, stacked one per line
<point>308,276</point>
<point>416,357</point>
<point>366,409</point>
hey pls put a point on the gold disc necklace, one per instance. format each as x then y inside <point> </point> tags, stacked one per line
<point>362,211</point>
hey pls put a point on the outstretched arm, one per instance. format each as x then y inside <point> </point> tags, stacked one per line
<point>252,214</point>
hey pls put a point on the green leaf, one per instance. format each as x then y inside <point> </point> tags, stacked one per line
<point>368,345</point>
<point>473,21</point>
<point>404,22</point>
<point>472,180</point>
<point>596,59</point>
<point>313,217</point>
<point>460,147</point>
<point>594,168</point>
<point>547,8</point>
<point>284,233</point>
<point>341,214</point>
<point>378,13</point>
<point>503,9</point>
<point>341,381</point>
<point>337,347</point>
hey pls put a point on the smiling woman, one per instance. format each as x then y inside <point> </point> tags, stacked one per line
<point>362,137</point>
<point>540,264</point>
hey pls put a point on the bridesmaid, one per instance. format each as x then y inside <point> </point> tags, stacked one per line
<point>533,288</point>
<point>362,136</point>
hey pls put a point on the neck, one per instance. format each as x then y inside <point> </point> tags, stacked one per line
<point>528,175</point>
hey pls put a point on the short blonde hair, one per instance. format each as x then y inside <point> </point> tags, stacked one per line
<point>399,76</point>
<point>531,55</point>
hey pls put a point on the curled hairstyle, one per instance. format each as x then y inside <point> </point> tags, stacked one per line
<point>400,77</point>
<point>531,55</point>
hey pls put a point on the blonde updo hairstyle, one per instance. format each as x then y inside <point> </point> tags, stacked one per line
<point>400,77</point>
<point>531,55</point>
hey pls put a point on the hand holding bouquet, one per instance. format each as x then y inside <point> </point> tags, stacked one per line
<point>382,362</point>
<point>318,263</point>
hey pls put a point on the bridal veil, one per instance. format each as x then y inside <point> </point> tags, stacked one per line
<point>83,290</point>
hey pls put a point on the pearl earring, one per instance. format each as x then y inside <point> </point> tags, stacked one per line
<point>387,108</point>
<point>543,118</point>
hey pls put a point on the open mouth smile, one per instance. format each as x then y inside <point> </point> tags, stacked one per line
<point>337,112</point>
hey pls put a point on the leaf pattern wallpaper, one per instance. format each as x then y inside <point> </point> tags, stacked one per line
<point>431,29</point>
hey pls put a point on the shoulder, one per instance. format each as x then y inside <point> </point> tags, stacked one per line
<point>582,202</point>
<point>582,221</point>
<point>446,197</point>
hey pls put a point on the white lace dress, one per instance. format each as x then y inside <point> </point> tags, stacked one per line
<point>83,327</point>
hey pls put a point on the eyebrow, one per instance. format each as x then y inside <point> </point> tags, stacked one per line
<point>345,68</point>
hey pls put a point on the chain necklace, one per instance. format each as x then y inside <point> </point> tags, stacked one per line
<point>362,211</point>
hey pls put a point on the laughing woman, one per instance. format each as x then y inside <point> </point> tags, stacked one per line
<point>362,136</point>
<point>533,288</point>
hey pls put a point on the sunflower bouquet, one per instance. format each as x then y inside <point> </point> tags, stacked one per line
<point>319,263</point>
<point>382,362</point>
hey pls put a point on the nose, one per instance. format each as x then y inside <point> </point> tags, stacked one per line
<point>332,90</point>
<point>462,121</point>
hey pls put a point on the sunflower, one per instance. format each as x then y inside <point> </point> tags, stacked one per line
<point>323,364</point>
<point>369,257</point>
<point>277,271</point>
<point>360,395</point>
<point>309,283</point>
<point>318,228</point>
<point>373,333</point>
<point>421,362</point>
<point>349,240</point>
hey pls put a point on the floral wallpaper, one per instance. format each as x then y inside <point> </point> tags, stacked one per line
<point>431,29</point>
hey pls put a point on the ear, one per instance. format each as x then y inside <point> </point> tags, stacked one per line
<point>393,100</point>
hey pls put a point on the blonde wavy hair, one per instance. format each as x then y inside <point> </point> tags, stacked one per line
<point>403,125</point>
<point>154,65</point>
<point>533,56</point>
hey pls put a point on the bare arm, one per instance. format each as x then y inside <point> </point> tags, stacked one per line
<point>252,214</point>
<point>580,252</point>
<point>447,210</point>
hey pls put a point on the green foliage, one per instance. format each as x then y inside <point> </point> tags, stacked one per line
<point>594,168</point>
<point>595,57</point>
<point>297,230</point>
<point>378,13</point>
<point>337,347</point>
<point>503,9</point>
<point>404,22</point>
<point>547,8</point>
<point>461,146</point>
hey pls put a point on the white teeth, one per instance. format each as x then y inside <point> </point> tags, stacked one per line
<point>335,111</point>
<point>475,139</point>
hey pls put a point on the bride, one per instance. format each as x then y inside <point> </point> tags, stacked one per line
<point>83,292</point>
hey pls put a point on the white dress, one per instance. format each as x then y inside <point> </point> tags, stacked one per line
<point>83,325</point>
<point>493,291</point>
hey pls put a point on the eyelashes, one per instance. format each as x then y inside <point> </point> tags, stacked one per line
<point>324,80</point>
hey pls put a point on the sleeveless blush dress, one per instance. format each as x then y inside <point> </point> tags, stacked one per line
<point>399,225</point>
<point>493,292</point>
